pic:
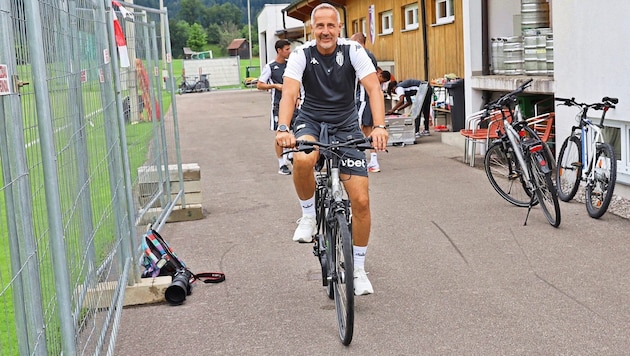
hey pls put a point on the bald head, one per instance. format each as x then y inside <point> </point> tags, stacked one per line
<point>359,37</point>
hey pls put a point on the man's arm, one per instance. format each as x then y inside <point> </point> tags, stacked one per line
<point>290,95</point>
<point>264,78</point>
<point>402,103</point>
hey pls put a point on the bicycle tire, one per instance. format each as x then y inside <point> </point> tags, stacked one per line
<point>505,176</point>
<point>569,168</point>
<point>343,277</point>
<point>600,190</point>
<point>545,190</point>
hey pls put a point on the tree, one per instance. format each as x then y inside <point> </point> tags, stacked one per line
<point>179,33</point>
<point>214,33</point>
<point>197,38</point>
<point>228,34</point>
<point>190,11</point>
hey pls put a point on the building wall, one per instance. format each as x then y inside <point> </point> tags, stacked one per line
<point>406,48</point>
<point>591,61</point>
<point>269,21</point>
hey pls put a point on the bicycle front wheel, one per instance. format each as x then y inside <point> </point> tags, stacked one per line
<point>343,278</point>
<point>569,168</point>
<point>506,176</point>
<point>599,189</point>
<point>545,189</point>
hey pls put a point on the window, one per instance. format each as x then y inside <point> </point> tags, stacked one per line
<point>364,25</point>
<point>411,16</point>
<point>444,12</point>
<point>617,133</point>
<point>355,26</point>
<point>387,23</point>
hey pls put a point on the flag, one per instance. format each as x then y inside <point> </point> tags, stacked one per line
<point>121,42</point>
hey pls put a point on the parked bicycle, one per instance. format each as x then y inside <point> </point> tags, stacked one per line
<point>333,241</point>
<point>198,85</point>
<point>519,164</point>
<point>585,156</point>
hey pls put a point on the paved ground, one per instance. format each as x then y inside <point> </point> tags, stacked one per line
<point>454,269</point>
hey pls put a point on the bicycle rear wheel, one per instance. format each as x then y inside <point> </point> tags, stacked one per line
<point>599,190</point>
<point>505,176</point>
<point>545,189</point>
<point>343,277</point>
<point>569,168</point>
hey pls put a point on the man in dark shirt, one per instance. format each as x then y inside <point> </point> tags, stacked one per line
<point>271,79</point>
<point>327,68</point>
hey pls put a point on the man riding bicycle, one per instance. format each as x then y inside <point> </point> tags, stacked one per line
<point>328,68</point>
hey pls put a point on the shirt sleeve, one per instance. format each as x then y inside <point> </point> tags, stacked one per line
<point>361,61</point>
<point>266,74</point>
<point>296,65</point>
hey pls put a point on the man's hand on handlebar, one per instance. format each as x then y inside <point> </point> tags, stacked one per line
<point>379,137</point>
<point>285,139</point>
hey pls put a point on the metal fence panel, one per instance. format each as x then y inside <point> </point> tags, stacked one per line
<point>85,149</point>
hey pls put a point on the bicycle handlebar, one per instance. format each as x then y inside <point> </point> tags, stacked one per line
<point>607,103</point>
<point>362,144</point>
<point>508,98</point>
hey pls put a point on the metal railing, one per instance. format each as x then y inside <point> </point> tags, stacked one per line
<point>85,148</point>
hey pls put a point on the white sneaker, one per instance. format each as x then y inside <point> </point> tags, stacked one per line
<point>307,227</point>
<point>373,167</point>
<point>362,285</point>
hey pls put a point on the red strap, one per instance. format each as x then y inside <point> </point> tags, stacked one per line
<point>210,277</point>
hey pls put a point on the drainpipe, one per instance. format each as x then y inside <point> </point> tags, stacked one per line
<point>425,39</point>
<point>485,61</point>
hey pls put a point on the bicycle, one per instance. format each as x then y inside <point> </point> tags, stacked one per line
<point>333,241</point>
<point>201,84</point>
<point>519,164</point>
<point>584,156</point>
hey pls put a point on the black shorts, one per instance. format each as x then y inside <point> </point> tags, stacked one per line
<point>352,161</point>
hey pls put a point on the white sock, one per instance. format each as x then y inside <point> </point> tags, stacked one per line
<point>281,161</point>
<point>359,256</point>
<point>308,206</point>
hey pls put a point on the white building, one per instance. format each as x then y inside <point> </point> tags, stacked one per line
<point>273,25</point>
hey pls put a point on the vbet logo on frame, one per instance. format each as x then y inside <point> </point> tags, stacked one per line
<point>5,88</point>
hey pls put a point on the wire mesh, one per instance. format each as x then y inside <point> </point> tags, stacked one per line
<point>85,146</point>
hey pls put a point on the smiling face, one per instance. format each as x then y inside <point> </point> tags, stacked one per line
<point>326,27</point>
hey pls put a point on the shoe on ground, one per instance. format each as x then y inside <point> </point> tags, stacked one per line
<point>284,170</point>
<point>307,227</point>
<point>425,133</point>
<point>362,285</point>
<point>373,167</point>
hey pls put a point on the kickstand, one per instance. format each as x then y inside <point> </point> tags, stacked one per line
<point>529,208</point>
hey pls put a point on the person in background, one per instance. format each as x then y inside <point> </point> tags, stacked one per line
<point>406,90</point>
<point>363,104</point>
<point>327,69</point>
<point>271,79</point>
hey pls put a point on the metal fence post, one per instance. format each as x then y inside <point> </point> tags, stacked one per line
<point>53,202</point>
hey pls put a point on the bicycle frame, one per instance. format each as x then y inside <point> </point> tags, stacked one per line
<point>591,134</point>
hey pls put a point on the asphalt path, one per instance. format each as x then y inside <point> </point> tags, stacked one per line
<point>454,269</point>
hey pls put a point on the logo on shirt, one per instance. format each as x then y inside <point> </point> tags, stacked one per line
<point>276,67</point>
<point>339,58</point>
<point>314,61</point>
